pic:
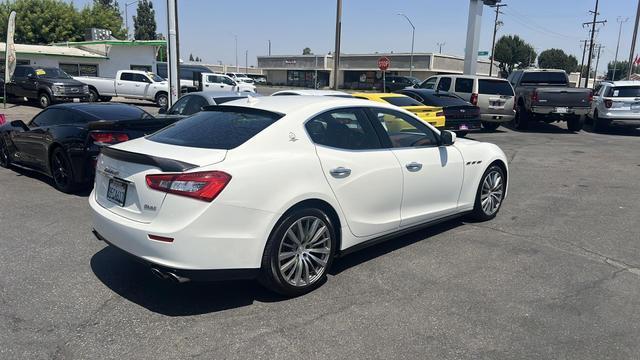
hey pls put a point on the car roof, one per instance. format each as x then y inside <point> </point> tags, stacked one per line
<point>427,91</point>
<point>622,83</point>
<point>90,109</point>
<point>219,93</point>
<point>289,104</point>
<point>310,92</point>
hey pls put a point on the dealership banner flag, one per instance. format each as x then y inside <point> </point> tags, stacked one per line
<point>9,53</point>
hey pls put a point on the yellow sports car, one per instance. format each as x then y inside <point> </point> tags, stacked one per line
<point>430,114</point>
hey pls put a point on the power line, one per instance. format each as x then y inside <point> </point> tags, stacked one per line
<point>495,31</point>
<point>593,33</point>
<point>535,26</point>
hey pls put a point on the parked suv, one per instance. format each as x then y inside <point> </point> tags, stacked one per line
<point>47,85</point>
<point>619,100</point>
<point>495,97</point>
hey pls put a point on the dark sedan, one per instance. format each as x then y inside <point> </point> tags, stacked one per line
<point>461,116</point>
<point>63,141</point>
<point>394,83</point>
<point>194,102</point>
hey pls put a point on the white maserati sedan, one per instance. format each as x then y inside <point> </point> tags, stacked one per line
<point>276,188</point>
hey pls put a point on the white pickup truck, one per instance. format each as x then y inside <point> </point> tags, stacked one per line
<point>212,81</point>
<point>131,84</point>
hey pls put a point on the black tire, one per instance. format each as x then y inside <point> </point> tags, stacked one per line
<point>5,159</point>
<point>162,100</point>
<point>44,100</point>
<point>93,95</point>
<point>479,213</point>
<point>521,120</point>
<point>272,276</point>
<point>62,171</point>
<point>575,123</point>
<point>600,125</point>
<point>105,98</point>
<point>490,126</point>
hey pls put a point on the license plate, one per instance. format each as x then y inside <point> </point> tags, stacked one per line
<point>562,110</point>
<point>499,104</point>
<point>117,191</point>
<point>464,127</point>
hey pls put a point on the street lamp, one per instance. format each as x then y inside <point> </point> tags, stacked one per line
<point>413,35</point>
<point>237,66</point>
<point>126,16</point>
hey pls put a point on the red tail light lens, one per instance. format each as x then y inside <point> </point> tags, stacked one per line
<point>590,97</point>
<point>203,186</point>
<point>474,99</point>
<point>608,103</point>
<point>108,137</point>
<point>534,96</point>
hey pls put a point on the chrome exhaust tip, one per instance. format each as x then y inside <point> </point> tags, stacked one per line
<point>159,274</point>
<point>177,278</point>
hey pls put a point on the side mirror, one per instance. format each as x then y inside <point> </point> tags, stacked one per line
<point>19,124</point>
<point>447,138</point>
<point>163,110</point>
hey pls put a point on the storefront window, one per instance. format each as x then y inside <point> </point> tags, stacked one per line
<point>80,69</point>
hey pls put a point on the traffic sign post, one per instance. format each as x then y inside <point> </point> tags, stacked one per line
<point>383,65</point>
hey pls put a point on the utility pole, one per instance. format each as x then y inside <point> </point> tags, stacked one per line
<point>633,41</point>
<point>440,45</point>
<point>336,53</point>
<point>237,66</point>
<point>269,47</point>
<point>615,61</point>
<point>173,53</point>
<point>495,31</point>
<point>413,36</point>
<point>246,61</point>
<point>593,33</point>
<point>595,77</point>
<point>584,50</point>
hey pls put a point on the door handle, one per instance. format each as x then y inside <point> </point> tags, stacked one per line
<point>414,166</point>
<point>340,172</point>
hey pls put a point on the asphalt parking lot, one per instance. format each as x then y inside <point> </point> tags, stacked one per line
<point>555,276</point>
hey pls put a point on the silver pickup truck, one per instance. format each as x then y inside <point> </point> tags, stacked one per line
<point>545,95</point>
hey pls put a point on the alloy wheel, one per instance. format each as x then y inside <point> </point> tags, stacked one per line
<point>59,170</point>
<point>304,251</point>
<point>492,192</point>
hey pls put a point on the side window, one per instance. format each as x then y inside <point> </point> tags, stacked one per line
<point>430,83</point>
<point>213,79</point>
<point>602,90</point>
<point>51,117</point>
<point>464,85</point>
<point>444,84</point>
<point>405,131</point>
<point>126,76</point>
<point>140,78</point>
<point>179,106</point>
<point>514,78</point>
<point>413,96</point>
<point>20,72</point>
<point>227,81</point>
<point>347,129</point>
<point>195,104</point>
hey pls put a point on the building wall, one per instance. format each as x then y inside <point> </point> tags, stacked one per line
<point>276,77</point>
<point>298,62</point>
<point>122,57</point>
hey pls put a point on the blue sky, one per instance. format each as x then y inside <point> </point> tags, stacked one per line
<point>207,27</point>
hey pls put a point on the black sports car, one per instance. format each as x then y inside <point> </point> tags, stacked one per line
<point>460,115</point>
<point>63,141</point>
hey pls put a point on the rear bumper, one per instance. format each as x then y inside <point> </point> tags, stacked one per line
<point>501,118</point>
<point>552,110</point>
<point>462,125</point>
<point>221,238</point>
<point>615,115</point>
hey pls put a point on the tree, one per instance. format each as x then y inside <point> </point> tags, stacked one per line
<point>102,17</point>
<point>307,51</point>
<point>191,57</point>
<point>622,69</point>
<point>144,23</point>
<point>198,59</point>
<point>511,51</point>
<point>557,59</point>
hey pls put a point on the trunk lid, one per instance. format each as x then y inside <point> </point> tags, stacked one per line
<point>121,171</point>
<point>563,97</point>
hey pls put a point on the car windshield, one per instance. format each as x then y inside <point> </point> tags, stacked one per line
<point>226,127</point>
<point>544,77</point>
<point>495,87</point>
<point>52,73</point>
<point>401,101</point>
<point>155,77</point>
<point>624,91</point>
<point>413,80</point>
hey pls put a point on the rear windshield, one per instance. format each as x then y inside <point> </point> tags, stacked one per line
<point>114,112</point>
<point>443,100</point>
<point>222,100</point>
<point>226,127</point>
<point>401,101</point>
<point>495,87</point>
<point>544,77</point>
<point>626,91</point>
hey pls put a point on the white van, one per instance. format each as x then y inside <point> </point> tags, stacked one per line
<point>495,97</point>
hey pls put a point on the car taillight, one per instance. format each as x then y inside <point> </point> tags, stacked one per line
<point>108,137</point>
<point>203,186</point>
<point>534,96</point>
<point>608,103</point>
<point>474,99</point>
<point>590,97</point>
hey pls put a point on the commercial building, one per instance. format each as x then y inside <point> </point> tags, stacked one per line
<point>90,58</point>
<point>358,71</point>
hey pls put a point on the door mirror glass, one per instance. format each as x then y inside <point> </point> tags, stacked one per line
<point>447,138</point>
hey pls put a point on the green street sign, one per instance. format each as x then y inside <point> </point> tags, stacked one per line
<point>483,53</point>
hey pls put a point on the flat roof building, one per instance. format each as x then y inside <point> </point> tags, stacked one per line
<point>358,71</point>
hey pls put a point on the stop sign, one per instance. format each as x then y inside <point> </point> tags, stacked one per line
<point>384,63</point>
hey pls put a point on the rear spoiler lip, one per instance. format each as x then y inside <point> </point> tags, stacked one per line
<point>164,164</point>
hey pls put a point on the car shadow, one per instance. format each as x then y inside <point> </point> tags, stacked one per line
<point>133,280</point>
<point>544,128</point>
<point>619,129</point>
<point>20,171</point>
